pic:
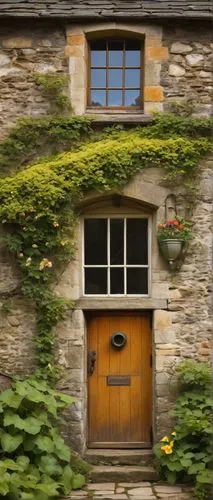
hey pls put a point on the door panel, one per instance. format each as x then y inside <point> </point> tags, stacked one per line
<point>120,415</point>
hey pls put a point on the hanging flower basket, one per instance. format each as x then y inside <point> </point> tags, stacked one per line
<point>171,249</point>
<point>172,236</point>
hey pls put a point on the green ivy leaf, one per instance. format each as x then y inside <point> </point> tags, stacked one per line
<point>44,443</point>
<point>171,476</point>
<point>67,478</point>
<point>10,443</point>
<point>23,462</point>
<point>78,481</point>
<point>49,465</point>
<point>11,399</point>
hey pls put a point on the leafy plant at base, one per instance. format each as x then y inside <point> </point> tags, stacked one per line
<point>175,229</point>
<point>35,462</point>
<point>53,88</point>
<point>187,453</point>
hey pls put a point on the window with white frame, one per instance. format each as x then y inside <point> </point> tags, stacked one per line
<point>116,256</point>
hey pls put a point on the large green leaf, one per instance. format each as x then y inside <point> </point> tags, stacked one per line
<point>4,484</point>
<point>65,398</point>
<point>61,449</point>
<point>44,443</point>
<point>10,443</point>
<point>78,481</point>
<point>8,464</point>
<point>67,479</point>
<point>23,462</point>
<point>27,496</point>
<point>49,465</point>
<point>30,424</point>
<point>10,398</point>
<point>51,489</point>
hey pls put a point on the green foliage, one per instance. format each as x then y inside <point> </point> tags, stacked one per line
<point>37,204</point>
<point>33,137</point>
<point>170,125</point>
<point>187,453</point>
<point>53,88</point>
<point>35,462</point>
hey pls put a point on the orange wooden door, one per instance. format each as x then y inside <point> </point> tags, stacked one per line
<point>120,415</point>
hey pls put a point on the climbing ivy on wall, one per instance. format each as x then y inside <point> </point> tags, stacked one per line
<point>37,201</point>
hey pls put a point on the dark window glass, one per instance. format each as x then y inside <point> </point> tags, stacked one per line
<point>96,281</point>
<point>116,241</point>
<point>133,53</point>
<point>137,241</point>
<point>98,78</point>
<point>137,280</point>
<point>95,241</point>
<point>98,53</point>
<point>132,98</point>
<point>115,56</point>
<point>115,98</point>
<point>132,78</point>
<point>115,78</point>
<point>98,97</point>
<point>116,280</point>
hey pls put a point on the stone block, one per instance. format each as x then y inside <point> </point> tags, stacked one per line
<point>142,492</point>
<point>180,48</point>
<point>153,93</point>
<point>162,319</point>
<point>164,337</point>
<point>153,41</point>
<point>156,53</point>
<point>76,39</point>
<point>176,70</point>
<point>74,51</point>
<point>152,73</point>
<point>194,59</point>
<point>18,42</point>
<point>4,60</point>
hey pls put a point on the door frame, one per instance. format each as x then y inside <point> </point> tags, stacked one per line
<point>119,312</point>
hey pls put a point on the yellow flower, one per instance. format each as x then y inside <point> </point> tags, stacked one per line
<point>174,434</point>
<point>45,263</point>
<point>55,224</point>
<point>171,443</point>
<point>167,448</point>
<point>164,439</point>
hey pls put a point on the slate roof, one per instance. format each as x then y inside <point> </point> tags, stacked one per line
<point>107,9</point>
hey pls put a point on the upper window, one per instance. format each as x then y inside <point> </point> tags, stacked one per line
<point>115,78</point>
<point>116,256</point>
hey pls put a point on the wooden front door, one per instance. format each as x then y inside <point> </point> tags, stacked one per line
<point>119,380</point>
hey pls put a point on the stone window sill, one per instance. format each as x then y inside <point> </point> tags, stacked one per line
<point>121,303</point>
<point>118,117</point>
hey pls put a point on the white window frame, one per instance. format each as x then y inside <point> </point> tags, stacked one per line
<point>125,266</point>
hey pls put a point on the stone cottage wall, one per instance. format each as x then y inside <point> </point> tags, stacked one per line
<point>187,75</point>
<point>182,322</point>
<point>181,51</point>
<point>27,48</point>
<point>180,300</point>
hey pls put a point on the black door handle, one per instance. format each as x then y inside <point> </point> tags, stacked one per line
<point>91,362</point>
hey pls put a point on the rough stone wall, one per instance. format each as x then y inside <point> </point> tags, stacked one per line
<point>180,300</point>
<point>24,50</point>
<point>187,75</point>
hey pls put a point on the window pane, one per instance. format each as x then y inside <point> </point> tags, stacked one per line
<point>98,97</point>
<point>137,241</point>
<point>137,280</point>
<point>116,241</point>
<point>96,281</point>
<point>98,53</point>
<point>133,53</point>
<point>115,53</point>
<point>132,98</point>
<point>115,78</point>
<point>95,241</point>
<point>132,78</point>
<point>117,280</point>
<point>98,78</point>
<point>115,98</point>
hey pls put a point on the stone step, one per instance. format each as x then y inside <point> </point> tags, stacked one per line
<point>118,457</point>
<point>127,474</point>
